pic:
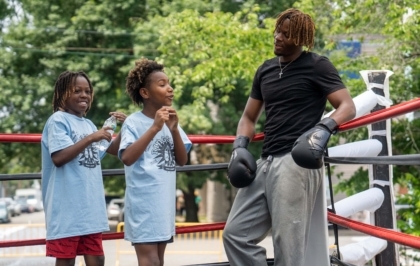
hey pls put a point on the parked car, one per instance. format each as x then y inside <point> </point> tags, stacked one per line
<point>33,197</point>
<point>121,215</point>
<point>108,198</point>
<point>4,213</point>
<point>24,206</point>
<point>114,209</point>
<point>12,206</point>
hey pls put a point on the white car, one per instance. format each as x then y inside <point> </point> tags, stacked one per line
<point>4,213</point>
<point>33,197</point>
<point>114,209</point>
<point>12,206</point>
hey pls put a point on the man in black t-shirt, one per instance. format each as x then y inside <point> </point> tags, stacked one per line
<point>281,190</point>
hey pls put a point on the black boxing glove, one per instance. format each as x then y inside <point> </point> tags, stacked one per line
<point>308,150</point>
<point>242,166</point>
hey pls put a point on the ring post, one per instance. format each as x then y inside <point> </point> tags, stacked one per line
<point>380,176</point>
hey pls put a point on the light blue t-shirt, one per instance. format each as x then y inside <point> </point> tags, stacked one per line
<point>149,208</point>
<point>73,194</point>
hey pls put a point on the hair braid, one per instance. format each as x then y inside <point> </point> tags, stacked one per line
<point>301,27</point>
<point>63,88</point>
<point>138,78</point>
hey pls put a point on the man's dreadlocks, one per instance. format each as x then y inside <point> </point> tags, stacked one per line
<point>301,27</point>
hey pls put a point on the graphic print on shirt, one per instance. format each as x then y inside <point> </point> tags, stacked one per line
<point>163,152</point>
<point>89,156</point>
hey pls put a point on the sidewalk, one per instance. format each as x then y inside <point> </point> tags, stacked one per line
<point>185,251</point>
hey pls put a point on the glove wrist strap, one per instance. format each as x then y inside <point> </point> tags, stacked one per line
<point>330,124</point>
<point>241,142</point>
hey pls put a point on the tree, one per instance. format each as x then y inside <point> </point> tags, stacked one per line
<point>51,37</point>
<point>5,11</point>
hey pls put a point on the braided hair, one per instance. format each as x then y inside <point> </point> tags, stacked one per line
<point>301,27</point>
<point>138,78</point>
<point>63,88</point>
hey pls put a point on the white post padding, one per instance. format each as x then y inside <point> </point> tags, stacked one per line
<point>369,200</point>
<point>382,178</point>
<point>363,251</point>
<point>365,102</point>
<point>363,148</point>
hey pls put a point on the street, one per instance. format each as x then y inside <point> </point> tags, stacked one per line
<point>184,250</point>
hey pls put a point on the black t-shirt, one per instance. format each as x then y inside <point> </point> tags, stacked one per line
<point>295,102</point>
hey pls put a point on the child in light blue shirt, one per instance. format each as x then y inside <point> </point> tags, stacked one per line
<point>152,144</point>
<point>72,186</point>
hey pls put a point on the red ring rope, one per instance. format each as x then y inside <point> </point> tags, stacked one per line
<point>393,111</point>
<point>377,116</point>
<point>119,235</point>
<point>383,233</point>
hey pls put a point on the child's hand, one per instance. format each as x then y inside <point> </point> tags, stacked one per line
<point>172,122</point>
<point>119,116</point>
<point>102,134</point>
<point>162,116</point>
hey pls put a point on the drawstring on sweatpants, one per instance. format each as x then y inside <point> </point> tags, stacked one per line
<point>267,162</point>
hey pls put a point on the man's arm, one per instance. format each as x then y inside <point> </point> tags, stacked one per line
<point>250,116</point>
<point>345,109</point>
<point>308,150</point>
<point>242,166</point>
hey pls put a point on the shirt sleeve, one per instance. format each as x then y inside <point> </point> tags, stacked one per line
<point>128,137</point>
<point>58,136</point>
<point>185,139</point>
<point>256,87</point>
<point>327,77</point>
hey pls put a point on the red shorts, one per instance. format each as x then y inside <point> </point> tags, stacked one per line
<point>70,247</point>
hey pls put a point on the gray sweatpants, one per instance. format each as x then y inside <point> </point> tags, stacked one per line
<point>281,198</point>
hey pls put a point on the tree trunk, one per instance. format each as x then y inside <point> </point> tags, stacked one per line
<point>190,206</point>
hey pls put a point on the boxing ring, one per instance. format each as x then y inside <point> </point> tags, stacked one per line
<point>370,152</point>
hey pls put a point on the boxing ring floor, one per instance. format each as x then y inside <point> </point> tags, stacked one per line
<point>181,252</point>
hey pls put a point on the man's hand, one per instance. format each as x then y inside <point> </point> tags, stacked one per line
<point>308,150</point>
<point>242,166</point>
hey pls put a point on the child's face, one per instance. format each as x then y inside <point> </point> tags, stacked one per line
<point>80,98</point>
<point>160,91</point>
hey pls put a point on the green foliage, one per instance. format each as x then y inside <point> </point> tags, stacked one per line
<point>164,8</point>
<point>406,141</point>
<point>409,218</point>
<point>210,54</point>
<point>51,37</point>
<point>357,183</point>
<point>268,8</point>
<point>5,11</point>
<point>212,60</point>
